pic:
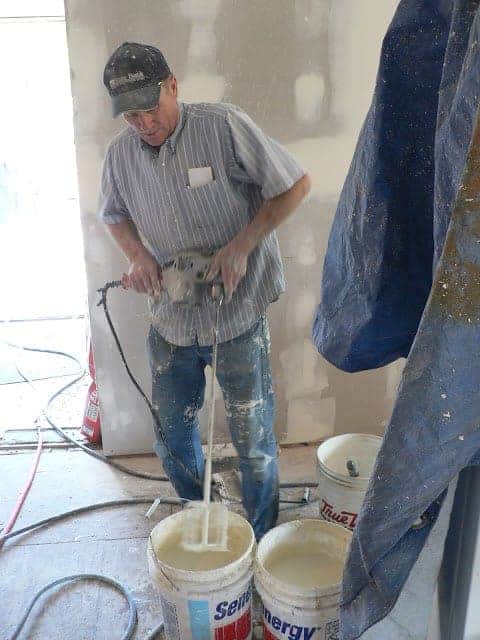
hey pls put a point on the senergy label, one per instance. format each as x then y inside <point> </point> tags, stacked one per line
<point>226,619</point>
<point>276,628</point>
<point>234,618</point>
<point>226,609</point>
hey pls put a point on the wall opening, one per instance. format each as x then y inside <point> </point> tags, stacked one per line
<point>43,298</point>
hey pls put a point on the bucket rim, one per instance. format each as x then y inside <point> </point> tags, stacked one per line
<point>282,587</point>
<point>207,575</point>
<point>345,479</point>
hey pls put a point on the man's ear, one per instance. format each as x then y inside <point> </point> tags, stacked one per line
<point>174,86</point>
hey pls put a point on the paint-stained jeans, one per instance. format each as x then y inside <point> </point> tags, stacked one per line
<point>244,375</point>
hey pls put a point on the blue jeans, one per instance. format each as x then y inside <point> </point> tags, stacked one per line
<point>244,375</point>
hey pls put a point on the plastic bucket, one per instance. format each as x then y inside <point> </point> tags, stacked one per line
<point>341,495</point>
<point>295,611</point>
<point>204,604</point>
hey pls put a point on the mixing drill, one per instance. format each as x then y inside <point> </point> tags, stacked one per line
<point>184,281</point>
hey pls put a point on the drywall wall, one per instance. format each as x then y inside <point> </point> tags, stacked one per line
<point>304,70</point>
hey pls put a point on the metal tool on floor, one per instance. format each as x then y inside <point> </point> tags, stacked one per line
<point>208,522</point>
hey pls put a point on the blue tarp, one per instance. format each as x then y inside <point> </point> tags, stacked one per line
<point>396,202</point>
<point>410,207</point>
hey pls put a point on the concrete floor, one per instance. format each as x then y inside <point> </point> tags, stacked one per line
<point>110,542</point>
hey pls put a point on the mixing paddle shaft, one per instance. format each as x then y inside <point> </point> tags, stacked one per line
<point>208,462</point>
<point>208,530</point>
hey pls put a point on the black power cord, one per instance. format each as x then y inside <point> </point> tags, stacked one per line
<point>103,303</point>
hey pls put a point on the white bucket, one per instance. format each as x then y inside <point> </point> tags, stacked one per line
<point>341,495</point>
<point>206,604</point>
<point>294,611</point>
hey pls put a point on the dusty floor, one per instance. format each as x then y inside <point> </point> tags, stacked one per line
<point>110,542</point>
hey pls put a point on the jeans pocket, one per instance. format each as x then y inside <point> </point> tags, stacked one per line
<point>160,352</point>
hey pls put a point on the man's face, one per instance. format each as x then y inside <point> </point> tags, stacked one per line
<point>156,125</point>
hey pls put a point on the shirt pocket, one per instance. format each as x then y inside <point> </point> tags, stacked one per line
<point>209,209</point>
<point>200,203</point>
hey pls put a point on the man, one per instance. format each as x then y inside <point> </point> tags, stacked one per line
<point>201,177</point>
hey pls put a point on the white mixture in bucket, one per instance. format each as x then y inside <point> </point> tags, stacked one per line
<point>304,568</point>
<point>171,551</point>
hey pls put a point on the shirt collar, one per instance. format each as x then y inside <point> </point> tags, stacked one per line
<point>171,141</point>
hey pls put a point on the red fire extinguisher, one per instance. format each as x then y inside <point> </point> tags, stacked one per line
<point>91,418</point>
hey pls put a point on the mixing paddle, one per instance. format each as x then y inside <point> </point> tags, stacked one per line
<point>207,525</point>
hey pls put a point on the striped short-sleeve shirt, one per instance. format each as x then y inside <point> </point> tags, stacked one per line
<point>150,186</point>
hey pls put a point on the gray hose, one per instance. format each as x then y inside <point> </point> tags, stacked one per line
<point>298,505</point>
<point>115,503</point>
<point>298,485</point>
<point>90,507</point>
<point>132,607</point>
<point>60,431</point>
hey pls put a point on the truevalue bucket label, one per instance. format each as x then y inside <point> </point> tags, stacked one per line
<point>223,620</point>
<point>332,513</point>
<point>274,628</point>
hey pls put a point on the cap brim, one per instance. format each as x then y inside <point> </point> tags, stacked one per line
<point>137,100</point>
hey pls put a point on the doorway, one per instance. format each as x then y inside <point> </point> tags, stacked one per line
<point>44,290</point>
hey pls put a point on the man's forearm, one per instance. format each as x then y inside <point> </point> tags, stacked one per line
<point>273,212</point>
<point>126,237</point>
<point>231,260</point>
<point>144,274</point>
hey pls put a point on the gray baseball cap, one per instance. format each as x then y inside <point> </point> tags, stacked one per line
<point>133,76</point>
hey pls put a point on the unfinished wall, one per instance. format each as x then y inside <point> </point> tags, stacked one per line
<point>304,70</point>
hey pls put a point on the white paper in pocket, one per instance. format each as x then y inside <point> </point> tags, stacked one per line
<point>199,176</point>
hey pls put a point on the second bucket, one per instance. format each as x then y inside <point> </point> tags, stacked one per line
<point>298,572</point>
<point>345,464</point>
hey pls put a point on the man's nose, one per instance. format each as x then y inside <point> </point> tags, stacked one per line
<point>145,121</point>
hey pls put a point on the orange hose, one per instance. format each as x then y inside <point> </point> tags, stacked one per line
<point>22,497</point>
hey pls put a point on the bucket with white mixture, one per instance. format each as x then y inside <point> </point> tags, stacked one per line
<point>203,595</point>
<point>345,464</point>
<point>298,573</point>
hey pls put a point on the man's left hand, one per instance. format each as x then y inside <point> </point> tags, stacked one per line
<point>231,263</point>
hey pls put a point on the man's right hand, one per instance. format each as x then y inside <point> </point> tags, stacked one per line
<point>144,274</point>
